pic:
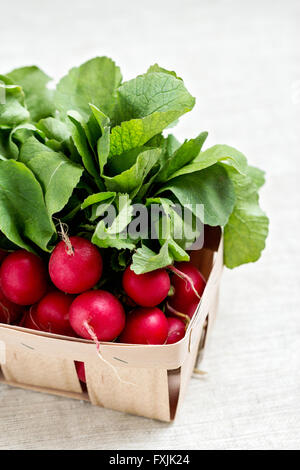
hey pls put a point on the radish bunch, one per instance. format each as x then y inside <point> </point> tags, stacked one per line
<point>156,291</point>
<point>64,297</point>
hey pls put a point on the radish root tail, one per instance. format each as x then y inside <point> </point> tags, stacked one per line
<point>186,278</point>
<point>63,233</point>
<point>32,319</point>
<point>185,317</point>
<point>93,336</point>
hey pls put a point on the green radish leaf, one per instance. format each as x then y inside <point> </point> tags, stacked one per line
<point>93,82</point>
<point>5,152</point>
<point>13,110</point>
<point>149,181</point>
<point>247,228</point>
<point>119,260</point>
<point>100,202</point>
<point>211,187</point>
<point>32,147</point>
<point>117,164</point>
<point>23,213</point>
<point>156,141</point>
<point>215,154</point>
<point>146,260</point>
<point>97,198</point>
<point>170,145</point>
<point>147,105</point>
<point>114,235</point>
<point>103,144</point>
<point>257,176</point>
<point>81,143</point>
<point>58,177</point>
<point>38,98</point>
<point>57,174</point>
<point>54,129</point>
<point>104,240</point>
<point>101,118</point>
<point>100,209</point>
<point>131,180</point>
<point>157,68</point>
<point>183,155</point>
<point>177,225</point>
<point>136,132</point>
<point>153,93</point>
<point>21,134</point>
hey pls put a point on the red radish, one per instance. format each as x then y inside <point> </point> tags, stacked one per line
<point>145,326</point>
<point>53,313</point>
<point>9,312</point>
<point>187,282</point>
<point>80,371</point>
<point>149,289</point>
<point>97,314</point>
<point>192,309</point>
<point>176,330</point>
<point>23,278</point>
<point>30,320</point>
<point>75,265</point>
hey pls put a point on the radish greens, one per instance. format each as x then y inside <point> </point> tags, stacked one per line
<point>67,154</point>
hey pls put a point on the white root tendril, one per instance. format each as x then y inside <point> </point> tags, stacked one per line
<point>93,336</point>
<point>186,278</point>
<point>63,233</point>
<point>185,317</point>
<point>32,319</point>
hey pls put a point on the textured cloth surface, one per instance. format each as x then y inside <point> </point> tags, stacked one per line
<point>242,62</point>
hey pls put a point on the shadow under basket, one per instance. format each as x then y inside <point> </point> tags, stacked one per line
<point>153,378</point>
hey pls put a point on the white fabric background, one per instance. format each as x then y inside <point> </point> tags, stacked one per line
<point>242,62</point>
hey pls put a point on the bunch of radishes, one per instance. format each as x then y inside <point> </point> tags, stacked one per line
<point>65,299</point>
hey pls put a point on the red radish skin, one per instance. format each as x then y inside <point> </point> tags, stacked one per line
<point>9,312</point>
<point>184,296</point>
<point>80,368</point>
<point>99,311</point>
<point>145,326</point>
<point>176,330</point>
<point>192,309</point>
<point>30,320</point>
<point>75,266</point>
<point>23,278</point>
<point>149,289</point>
<point>53,313</point>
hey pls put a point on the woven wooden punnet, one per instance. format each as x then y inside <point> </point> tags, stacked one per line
<point>156,376</point>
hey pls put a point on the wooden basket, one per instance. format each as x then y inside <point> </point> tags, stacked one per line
<point>156,376</point>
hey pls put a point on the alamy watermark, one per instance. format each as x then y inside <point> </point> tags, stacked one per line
<point>155,221</point>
